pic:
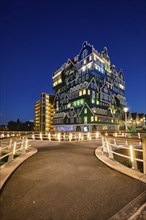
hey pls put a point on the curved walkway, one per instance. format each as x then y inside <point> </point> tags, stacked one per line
<point>65,181</point>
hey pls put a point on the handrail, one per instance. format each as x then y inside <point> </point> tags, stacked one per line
<point>123,138</point>
<point>133,145</point>
<point>9,149</point>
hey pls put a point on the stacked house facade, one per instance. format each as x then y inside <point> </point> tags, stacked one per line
<point>89,92</point>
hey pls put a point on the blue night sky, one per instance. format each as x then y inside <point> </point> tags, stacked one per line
<point>37,37</point>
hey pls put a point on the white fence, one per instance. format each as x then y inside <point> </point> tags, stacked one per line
<point>65,136</point>
<point>135,149</point>
<point>8,134</point>
<point>11,148</point>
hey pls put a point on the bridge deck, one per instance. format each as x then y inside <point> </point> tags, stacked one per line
<point>66,181</point>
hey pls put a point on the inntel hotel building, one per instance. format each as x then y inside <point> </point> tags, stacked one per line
<point>89,92</point>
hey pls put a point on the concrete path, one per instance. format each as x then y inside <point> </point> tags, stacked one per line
<point>65,181</point>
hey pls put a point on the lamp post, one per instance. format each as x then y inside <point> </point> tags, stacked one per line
<point>126,110</point>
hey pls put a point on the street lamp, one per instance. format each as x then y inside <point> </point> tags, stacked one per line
<point>126,110</point>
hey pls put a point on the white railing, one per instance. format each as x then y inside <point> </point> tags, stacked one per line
<point>9,134</point>
<point>65,136</point>
<point>10,148</point>
<point>112,146</point>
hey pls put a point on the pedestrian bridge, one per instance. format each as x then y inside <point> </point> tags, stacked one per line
<point>64,180</point>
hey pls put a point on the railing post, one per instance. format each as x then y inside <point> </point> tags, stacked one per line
<point>49,136</point>
<point>144,154</point>
<point>79,136</point>
<point>115,142</point>
<point>41,136</point>
<point>11,156</point>
<point>25,145</point>
<point>33,136</point>
<point>110,149</point>
<point>97,135</point>
<point>104,146</point>
<point>132,157</point>
<point>59,137</point>
<point>70,136</point>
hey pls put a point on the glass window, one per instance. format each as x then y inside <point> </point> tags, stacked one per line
<point>90,58</point>
<point>82,101</point>
<point>85,110</point>
<point>84,92</point>
<point>74,103</point>
<point>92,118</point>
<point>85,61</point>
<point>80,93</point>
<point>88,91</point>
<point>97,102</point>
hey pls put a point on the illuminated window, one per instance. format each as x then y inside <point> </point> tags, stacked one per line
<point>83,68</point>
<point>90,58</point>
<point>93,101</point>
<point>85,62</point>
<point>80,93</point>
<point>92,118</point>
<point>89,66</point>
<point>88,91</point>
<point>82,101</point>
<point>84,92</point>
<point>68,105</point>
<point>97,102</point>
<point>95,118</point>
<point>74,103</point>
<point>85,110</point>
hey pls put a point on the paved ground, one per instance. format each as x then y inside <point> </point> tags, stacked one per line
<point>65,181</point>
